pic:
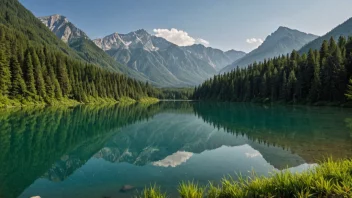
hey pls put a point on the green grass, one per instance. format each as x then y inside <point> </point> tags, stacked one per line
<point>191,190</point>
<point>152,192</point>
<point>329,179</point>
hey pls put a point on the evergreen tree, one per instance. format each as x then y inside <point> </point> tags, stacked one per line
<point>314,93</point>
<point>39,79</point>
<point>5,75</point>
<point>29,73</point>
<point>324,51</point>
<point>349,90</point>
<point>291,86</point>
<point>284,86</point>
<point>62,77</point>
<point>18,87</point>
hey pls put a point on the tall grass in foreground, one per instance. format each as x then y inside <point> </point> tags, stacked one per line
<point>191,190</point>
<point>329,179</point>
<point>152,192</point>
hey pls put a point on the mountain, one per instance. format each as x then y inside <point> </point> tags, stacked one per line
<point>235,55</point>
<point>282,41</point>
<point>62,28</point>
<point>163,62</point>
<point>344,29</point>
<point>84,47</point>
<point>215,57</point>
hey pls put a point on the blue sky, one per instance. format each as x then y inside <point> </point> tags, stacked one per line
<point>224,24</point>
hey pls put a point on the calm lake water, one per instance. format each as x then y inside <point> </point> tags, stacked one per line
<point>90,151</point>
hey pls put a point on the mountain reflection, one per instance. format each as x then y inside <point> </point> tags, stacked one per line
<point>205,140</point>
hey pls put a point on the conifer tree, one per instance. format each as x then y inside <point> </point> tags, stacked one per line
<point>314,92</point>
<point>39,79</point>
<point>62,77</point>
<point>291,86</point>
<point>349,90</point>
<point>284,86</point>
<point>5,75</point>
<point>18,86</point>
<point>29,73</point>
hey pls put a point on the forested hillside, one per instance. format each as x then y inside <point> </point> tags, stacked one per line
<point>35,66</point>
<point>320,75</point>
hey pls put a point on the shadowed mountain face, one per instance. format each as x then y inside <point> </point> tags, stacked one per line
<point>344,29</point>
<point>281,42</point>
<point>93,151</point>
<point>164,63</point>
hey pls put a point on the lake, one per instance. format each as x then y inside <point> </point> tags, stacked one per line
<point>92,151</point>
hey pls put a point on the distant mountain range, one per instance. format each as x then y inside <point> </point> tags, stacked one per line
<point>144,56</point>
<point>282,41</point>
<point>164,62</point>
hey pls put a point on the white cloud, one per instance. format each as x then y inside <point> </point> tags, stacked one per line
<point>202,41</point>
<point>256,41</point>
<point>179,37</point>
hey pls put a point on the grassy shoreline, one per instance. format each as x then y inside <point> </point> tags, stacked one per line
<point>329,179</point>
<point>11,103</point>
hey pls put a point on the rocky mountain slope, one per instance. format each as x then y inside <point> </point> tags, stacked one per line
<point>164,62</point>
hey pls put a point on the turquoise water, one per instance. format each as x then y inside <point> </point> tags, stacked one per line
<point>93,151</point>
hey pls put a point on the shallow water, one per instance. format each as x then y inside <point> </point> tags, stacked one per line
<point>93,151</point>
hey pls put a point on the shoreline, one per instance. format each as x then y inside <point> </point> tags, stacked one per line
<point>70,103</point>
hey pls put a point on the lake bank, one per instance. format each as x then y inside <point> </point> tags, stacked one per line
<point>11,103</point>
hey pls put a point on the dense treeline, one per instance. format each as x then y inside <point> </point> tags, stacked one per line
<point>175,93</point>
<point>36,72</point>
<point>320,75</point>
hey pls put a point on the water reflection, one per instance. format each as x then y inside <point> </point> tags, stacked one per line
<point>93,151</point>
<point>174,160</point>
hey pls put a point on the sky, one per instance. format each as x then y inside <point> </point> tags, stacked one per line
<point>224,24</point>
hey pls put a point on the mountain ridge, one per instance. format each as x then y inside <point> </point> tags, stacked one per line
<point>281,41</point>
<point>343,29</point>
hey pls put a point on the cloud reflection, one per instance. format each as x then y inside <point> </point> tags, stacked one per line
<point>174,160</point>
